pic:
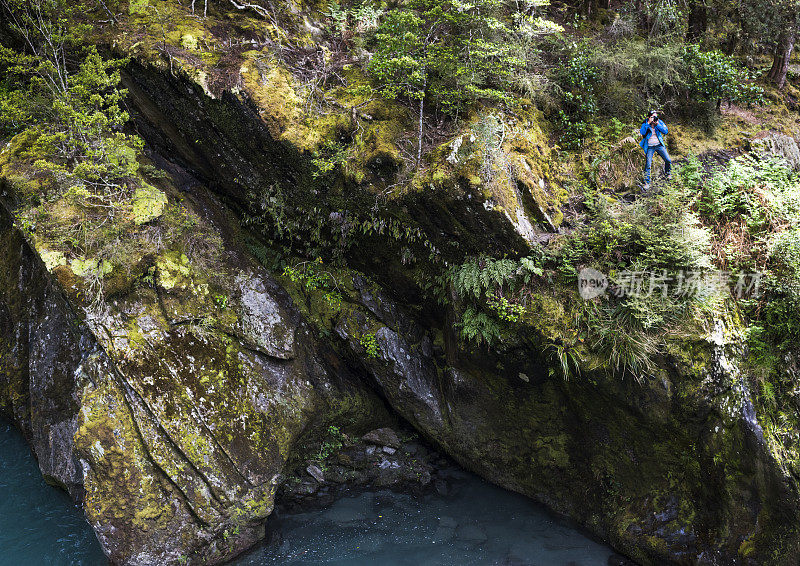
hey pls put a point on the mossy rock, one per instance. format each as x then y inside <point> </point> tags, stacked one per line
<point>148,204</point>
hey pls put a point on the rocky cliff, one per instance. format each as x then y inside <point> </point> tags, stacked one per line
<point>167,385</point>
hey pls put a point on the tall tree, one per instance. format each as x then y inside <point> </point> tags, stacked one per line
<point>782,54</point>
<point>450,52</point>
<point>773,25</point>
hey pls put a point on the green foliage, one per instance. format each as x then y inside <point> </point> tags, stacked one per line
<point>370,345</point>
<point>781,314</point>
<point>328,158</point>
<point>665,16</point>
<point>655,235</point>
<point>314,223</point>
<point>355,20</point>
<point>332,443</point>
<point>477,326</point>
<point>712,76</point>
<point>400,61</point>
<point>738,190</point>
<point>578,78</point>
<point>760,351</point>
<point>626,334</point>
<point>564,361</point>
<point>628,77</point>
<point>509,312</point>
<point>72,111</point>
<point>752,204</point>
<point>689,174</point>
<point>453,52</point>
<point>491,291</point>
<point>637,75</point>
<point>651,234</point>
<point>313,277</point>
<point>475,277</point>
<point>784,251</point>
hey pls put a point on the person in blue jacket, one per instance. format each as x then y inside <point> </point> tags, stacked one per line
<point>651,143</point>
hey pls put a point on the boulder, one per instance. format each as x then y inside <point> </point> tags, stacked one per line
<point>171,410</point>
<point>382,437</point>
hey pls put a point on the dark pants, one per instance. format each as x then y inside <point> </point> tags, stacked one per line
<point>662,151</point>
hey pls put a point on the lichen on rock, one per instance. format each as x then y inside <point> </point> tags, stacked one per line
<point>148,204</point>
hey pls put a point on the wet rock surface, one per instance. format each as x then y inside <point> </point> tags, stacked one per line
<point>380,459</point>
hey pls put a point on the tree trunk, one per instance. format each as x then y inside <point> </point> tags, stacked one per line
<point>419,139</point>
<point>731,43</point>
<point>644,20</point>
<point>780,62</point>
<point>698,21</point>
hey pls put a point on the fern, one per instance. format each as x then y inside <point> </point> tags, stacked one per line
<point>484,275</point>
<point>488,286</point>
<point>477,326</point>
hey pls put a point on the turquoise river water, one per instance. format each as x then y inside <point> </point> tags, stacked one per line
<point>474,524</point>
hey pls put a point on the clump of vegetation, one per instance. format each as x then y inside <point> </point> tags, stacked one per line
<point>331,444</point>
<point>370,345</point>
<point>490,293</point>
<point>450,53</point>
<point>627,78</point>
<point>578,77</point>
<point>84,195</point>
<point>753,207</point>
<point>72,112</point>
<point>313,277</point>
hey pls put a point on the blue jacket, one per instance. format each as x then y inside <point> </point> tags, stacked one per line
<point>661,128</point>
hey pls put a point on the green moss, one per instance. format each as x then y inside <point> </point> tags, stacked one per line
<point>272,88</point>
<point>148,204</point>
<point>137,6</point>
<point>173,270</point>
<point>83,267</point>
<point>52,259</point>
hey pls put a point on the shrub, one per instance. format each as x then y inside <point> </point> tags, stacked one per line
<point>638,75</point>
<point>68,97</point>
<point>578,78</point>
<point>712,76</point>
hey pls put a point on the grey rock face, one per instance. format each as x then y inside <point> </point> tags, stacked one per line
<point>590,448</point>
<point>261,322</point>
<point>315,472</point>
<point>45,358</point>
<point>774,143</point>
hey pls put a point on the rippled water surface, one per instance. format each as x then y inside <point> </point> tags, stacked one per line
<point>475,524</point>
<point>39,525</point>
